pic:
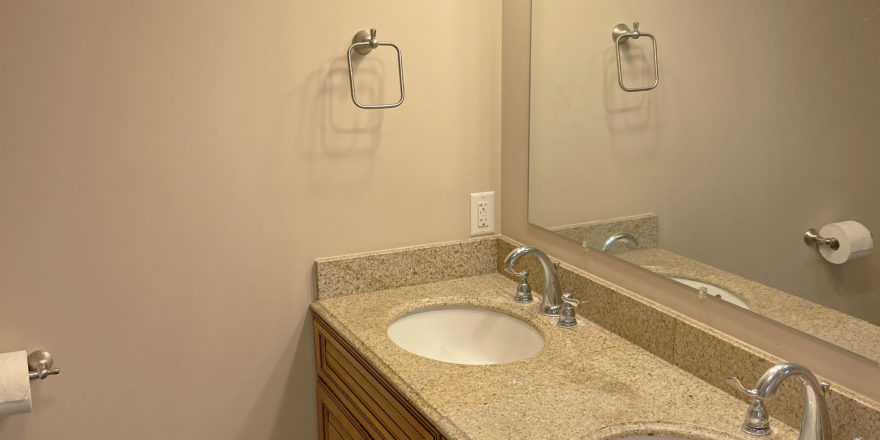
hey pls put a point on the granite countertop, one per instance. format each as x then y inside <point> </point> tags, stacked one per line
<point>825,323</point>
<point>586,383</point>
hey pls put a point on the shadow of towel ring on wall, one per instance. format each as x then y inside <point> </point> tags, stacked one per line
<point>363,44</point>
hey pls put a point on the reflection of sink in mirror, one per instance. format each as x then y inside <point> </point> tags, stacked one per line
<point>466,335</point>
<point>713,290</point>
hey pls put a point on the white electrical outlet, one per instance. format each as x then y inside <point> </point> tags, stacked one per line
<point>482,213</point>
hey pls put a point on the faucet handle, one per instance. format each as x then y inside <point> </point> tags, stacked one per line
<point>734,382</point>
<point>566,316</point>
<point>757,420</point>
<point>510,270</point>
<point>523,291</point>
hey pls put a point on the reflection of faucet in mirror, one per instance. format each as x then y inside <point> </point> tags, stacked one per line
<point>552,292</point>
<point>623,237</point>
<point>816,424</point>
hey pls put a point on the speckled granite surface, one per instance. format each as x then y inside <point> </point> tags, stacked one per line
<point>838,328</point>
<point>352,274</point>
<point>585,383</point>
<point>691,346</point>
<point>593,234</point>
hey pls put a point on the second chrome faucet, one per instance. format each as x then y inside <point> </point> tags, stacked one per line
<point>816,423</point>
<point>552,303</point>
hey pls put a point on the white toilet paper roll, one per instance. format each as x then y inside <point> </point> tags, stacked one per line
<point>854,238</point>
<point>15,386</point>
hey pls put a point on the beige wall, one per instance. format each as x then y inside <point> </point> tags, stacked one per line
<point>841,367</point>
<point>753,135</point>
<point>169,171</point>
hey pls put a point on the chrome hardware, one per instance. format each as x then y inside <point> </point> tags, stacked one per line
<point>40,365</point>
<point>621,30</point>
<point>622,237</point>
<point>361,37</point>
<point>552,293</point>
<point>620,34</point>
<point>523,291</point>
<point>567,316</point>
<point>704,293</point>
<point>757,421</point>
<point>812,238</point>
<point>734,382</point>
<point>816,424</point>
<point>363,44</point>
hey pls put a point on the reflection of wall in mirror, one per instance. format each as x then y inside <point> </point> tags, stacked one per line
<point>753,135</point>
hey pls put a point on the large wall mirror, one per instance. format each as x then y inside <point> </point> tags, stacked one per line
<point>765,123</point>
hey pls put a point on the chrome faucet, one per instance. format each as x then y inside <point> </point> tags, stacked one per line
<point>552,292</point>
<point>816,424</point>
<point>623,236</point>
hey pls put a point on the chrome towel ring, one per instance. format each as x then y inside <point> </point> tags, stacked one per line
<point>621,34</point>
<point>363,44</point>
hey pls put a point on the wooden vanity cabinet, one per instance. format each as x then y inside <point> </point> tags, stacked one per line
<point>334,422</point>
<point>355,401</point>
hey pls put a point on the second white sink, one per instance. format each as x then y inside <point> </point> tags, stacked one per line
<point>466,335</point>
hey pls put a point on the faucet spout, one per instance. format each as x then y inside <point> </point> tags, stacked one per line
<point>552,292</point>
<point>816,424</point>
<point>624,237</point>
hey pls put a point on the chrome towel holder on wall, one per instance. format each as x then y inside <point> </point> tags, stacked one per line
<point>363,44</point>
<point>621,33</point>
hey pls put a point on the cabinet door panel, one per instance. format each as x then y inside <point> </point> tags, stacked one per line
<point>333,422</point>
<point>380,409</point>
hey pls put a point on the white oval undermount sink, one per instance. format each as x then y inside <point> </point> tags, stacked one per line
<point>466,335</point>
<point>657,437</point>
<point>715,291</point>
<point>658,431</point>
<point>652,437</point>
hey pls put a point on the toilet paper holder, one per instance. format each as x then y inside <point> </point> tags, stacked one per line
<point>40,365</point>
<point>812,237</point>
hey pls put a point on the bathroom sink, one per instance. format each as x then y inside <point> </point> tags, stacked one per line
<point>658,431</point>
<point>466,335</point>
<point>652,437</point>
<point>661,437</point>
<point>713,290</point>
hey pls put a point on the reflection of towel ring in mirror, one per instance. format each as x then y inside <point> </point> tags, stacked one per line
<point>620,34</point>
<point>363,44</point>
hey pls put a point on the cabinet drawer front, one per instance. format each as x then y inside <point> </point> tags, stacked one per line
<point>367,395</point>
<point>334,422</point>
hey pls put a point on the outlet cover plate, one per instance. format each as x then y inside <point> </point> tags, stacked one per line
<point>482,220</point>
